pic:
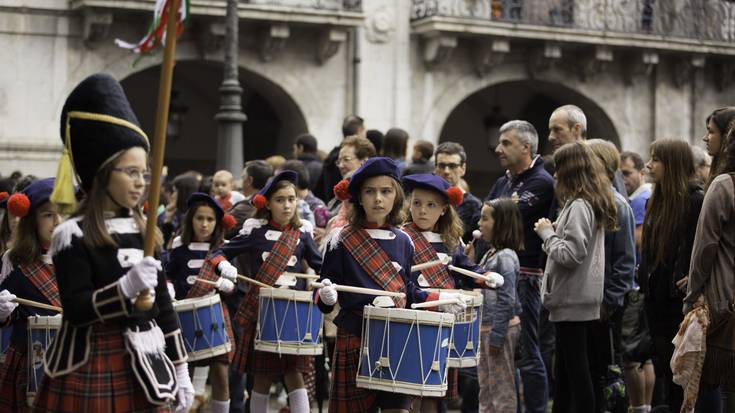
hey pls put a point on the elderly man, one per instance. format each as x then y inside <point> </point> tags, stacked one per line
<point>527,182</point>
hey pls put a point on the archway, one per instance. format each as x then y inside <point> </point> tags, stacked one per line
<point>274,119</point>
<point>475,121</point>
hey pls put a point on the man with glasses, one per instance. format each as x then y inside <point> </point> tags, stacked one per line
<point>450,163</point>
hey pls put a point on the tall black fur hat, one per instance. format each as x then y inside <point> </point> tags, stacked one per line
<point>97,123</point>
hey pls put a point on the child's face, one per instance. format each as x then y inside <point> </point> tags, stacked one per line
<point>282,205</point>
<point>426,208</point>
<point>127,183</point>
<point>47,218</point>
<point>486,222</point>
<point>377,196</point>
<point>221,185</point>
<point>203,222</point>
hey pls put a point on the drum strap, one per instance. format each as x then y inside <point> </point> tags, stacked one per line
<point>437,276</point>
<point>373,260</point>
<point>277,261</point>
<point>206,272</point>
<point>41,275</point>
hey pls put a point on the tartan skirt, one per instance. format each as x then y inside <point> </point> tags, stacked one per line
<point>106,383</point>
<point>273,364</point>
<point>345,396</point>
<point>13,381</point>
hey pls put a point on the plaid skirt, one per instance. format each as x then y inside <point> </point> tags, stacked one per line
<point>345,396</point>
<point>13,381</point>
<point>106,383</point>
<point>273,364</point>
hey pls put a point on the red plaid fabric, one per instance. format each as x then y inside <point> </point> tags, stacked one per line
<point>14,381</point>
<point>437,276</point>
<point>41,275</point>
<point>247,312</point>
<point>345,396</point>
<point>106,383</point>
<point>373,260</point>
<point>262,362</point>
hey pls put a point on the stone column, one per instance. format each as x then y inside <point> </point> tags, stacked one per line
<point>230,116</point>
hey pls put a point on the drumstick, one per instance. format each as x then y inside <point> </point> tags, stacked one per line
<point>423,266</point>
<point>202,280</point>
<point>252,281</point>
<point>468,273</point>
<point>301,275</point>
<point>361,290</point>
<point>434,303</point>
<point>31,303</point>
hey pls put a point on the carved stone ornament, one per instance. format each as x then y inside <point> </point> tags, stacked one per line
<point>437,48</point>
<point>273,40</point>
<point>96,26</point>
<point>329,43</point>
<point>379,26</point>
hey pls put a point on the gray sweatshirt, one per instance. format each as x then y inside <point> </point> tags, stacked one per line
<point>575,270</point>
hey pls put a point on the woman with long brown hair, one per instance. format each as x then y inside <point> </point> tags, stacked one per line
<point>668,234</point>
<point>718,124</point>
<point>572,287</point>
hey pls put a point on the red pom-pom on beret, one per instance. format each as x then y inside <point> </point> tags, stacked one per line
<point>19,204</point>
<point>228,222</point>
<point>259,201</point>
<point>4,195</point>
<point>342,190</point>
<point>455,195</point>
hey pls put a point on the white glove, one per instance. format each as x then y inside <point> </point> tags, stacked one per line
<point>456,307</point>
<point>185,396</point>
<point>7,304</point>
<point>142,276</point>
<point>328,294</point>
<point>225,285</point>
<point>171,290</point>
<point>496,280</point>
<point>227,270</point>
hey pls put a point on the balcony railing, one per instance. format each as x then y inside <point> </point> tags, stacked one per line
<point>329,5</point>
<point>703,20</point>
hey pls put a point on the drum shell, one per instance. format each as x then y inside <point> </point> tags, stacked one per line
<point>203,326</point>
<point>464,350</point>
<point>288,322</point>
<point>405,351</point>
<point>41,330</point>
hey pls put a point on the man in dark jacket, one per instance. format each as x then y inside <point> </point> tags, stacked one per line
<point>527,182</point>
<point>304,150</point>
<point>352,125</point>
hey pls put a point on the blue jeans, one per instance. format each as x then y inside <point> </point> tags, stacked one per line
<point>533,371</point>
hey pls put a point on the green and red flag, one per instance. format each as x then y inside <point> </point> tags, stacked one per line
<point>156,36</point>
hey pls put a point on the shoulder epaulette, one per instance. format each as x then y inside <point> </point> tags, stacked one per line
<point>62,236</point>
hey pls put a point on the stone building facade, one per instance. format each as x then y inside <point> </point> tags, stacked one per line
<point>441,69</point>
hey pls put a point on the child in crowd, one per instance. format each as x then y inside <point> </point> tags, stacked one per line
<point>357,255</point>
<point>573,281</point>
<point>222,187</point>
<point>202,231</point>
<point>33,279</point>
<point>501,226</point>
<point>276,241</point>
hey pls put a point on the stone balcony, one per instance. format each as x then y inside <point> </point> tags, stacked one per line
<point>271,22</point>
<point>684,28</point>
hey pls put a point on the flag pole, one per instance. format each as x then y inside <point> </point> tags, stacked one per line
<point>145,299</point>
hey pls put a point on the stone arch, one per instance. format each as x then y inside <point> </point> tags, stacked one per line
<point>475,120</point>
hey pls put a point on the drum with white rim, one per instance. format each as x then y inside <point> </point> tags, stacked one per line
<point>41,330</point>
<point>464,350</point>
<point>405,351</point>
<point>202,321</point>
<point>288,322</point>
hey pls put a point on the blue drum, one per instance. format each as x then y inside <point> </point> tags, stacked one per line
<point>202,322</point>
<point>405,351</point>
<point>41,330</point>
<point>5,334</point>
<point>464,350</point>
<point>288,322</point>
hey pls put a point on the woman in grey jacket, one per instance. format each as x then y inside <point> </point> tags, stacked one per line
<point>575,270</point>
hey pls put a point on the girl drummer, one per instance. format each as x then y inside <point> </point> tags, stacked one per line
<point>108,354</point>
<point>203,228</point>
<point>356,255</point>
<point>32,279</point>
<point>436,232</point>
<point>275,240</point>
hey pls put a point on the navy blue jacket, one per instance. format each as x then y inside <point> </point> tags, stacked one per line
<point>619,255</point>
<point>534,188</point>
